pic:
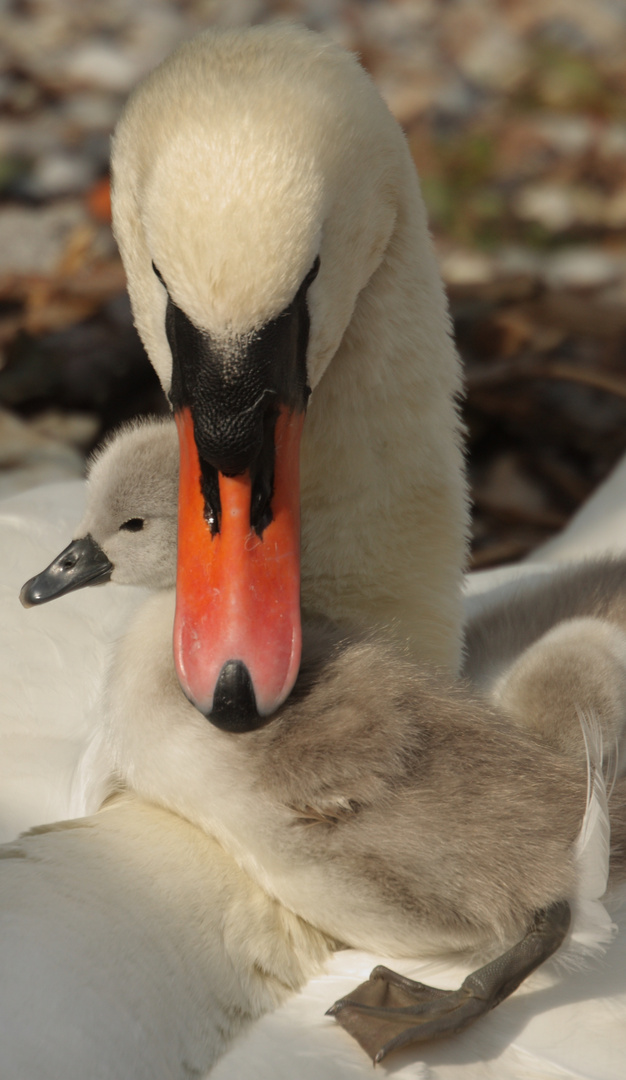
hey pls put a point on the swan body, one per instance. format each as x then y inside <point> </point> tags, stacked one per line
<point>518,1039</point>
<point>353,805</point>
<point>326,841</point>
<point>345,711</point>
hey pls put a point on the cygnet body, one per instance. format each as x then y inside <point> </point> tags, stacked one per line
<point>392,810</point>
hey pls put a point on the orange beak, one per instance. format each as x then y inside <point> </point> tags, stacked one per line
<point>237,593</point>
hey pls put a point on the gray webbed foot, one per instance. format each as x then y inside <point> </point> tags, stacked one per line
<point>390,1011</point>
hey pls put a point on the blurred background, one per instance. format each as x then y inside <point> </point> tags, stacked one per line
<point>515,113</point>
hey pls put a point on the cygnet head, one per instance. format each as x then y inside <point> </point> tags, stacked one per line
<point>128,532</point>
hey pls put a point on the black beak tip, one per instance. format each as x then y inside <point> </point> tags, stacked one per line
<point>234,702</point>
<point>29,595</point>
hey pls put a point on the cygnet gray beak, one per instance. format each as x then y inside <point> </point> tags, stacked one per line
<point>81,563</point>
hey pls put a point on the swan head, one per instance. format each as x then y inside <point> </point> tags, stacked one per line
<point>255,191</point>
<point>128,532</point>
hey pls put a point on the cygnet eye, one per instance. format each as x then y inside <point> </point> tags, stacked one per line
<point>132,525</point>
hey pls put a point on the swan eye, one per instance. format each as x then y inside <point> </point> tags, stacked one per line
<point>132,525</point>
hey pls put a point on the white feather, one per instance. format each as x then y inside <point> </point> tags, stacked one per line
<point>592,929</point>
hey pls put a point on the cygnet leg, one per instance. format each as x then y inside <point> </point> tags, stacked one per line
<point>390,1011</point>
